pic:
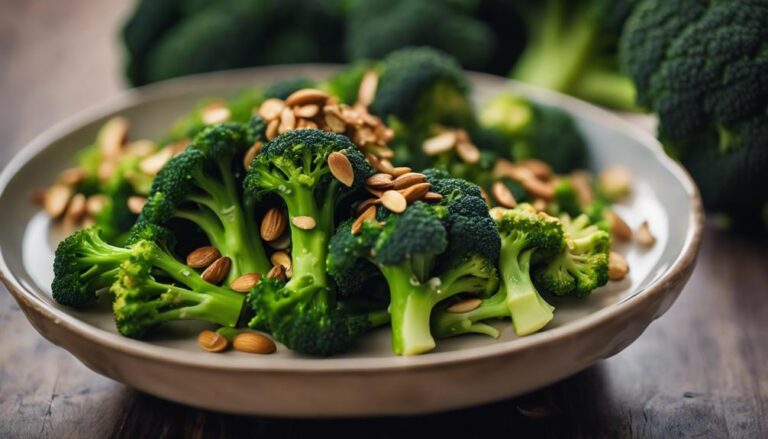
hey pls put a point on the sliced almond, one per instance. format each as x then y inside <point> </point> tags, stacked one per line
<point>617,266</point>
<point>304,222</point>
<point>106,169</point>
<point>581,182</point>
<point>616,181</point>
<point>72,176</point>
<point>76,208</point>
<point>368,86</point>
<point>333,109</point>
<point>432,196</point>
<point>254,343</point>
<point>400,170</point>
<point>408,179</point>
<point>306,96</point>
<point>202,257</point>
<point>140,148</point>
<point>277,272</point>
<point>439,144</point>
<point>217,271</point>
<point>504,168</point>
<point>485,197</point>
<point>644,236</point>
<point>136,203</point>
<point>497,212</point>
<point>281,257</point>
<point>368,215</point>
<point>154,163</point>
<point>245,283</point>
<point>307,111</point>
<point>287,121</point>
<point>619,229</point>
<point>271,109</point>
<point>341,168</point>
<point>503,195</point>
<point>273,224</point>
<point>215,113</point>
<point>251,154</point>
<point>272,128</point>
<point>466,305</point>
<point>380,181</point>
<point>415,192</point>
<point>112,136</point>
<point>211,341</point>
<point>281,243</point>
<point>538,188</point>
<point>468,152</point>
<point>375,192</point>
<point>365,204</point>
<point>56,200</point>
<point>539,168</point>
<point>394,201</point>
<point>385,166</point>
<point>334,123</point>
<point>306,124</point>
<point>179,146</point>
<point>351,116</point>
<point>95,203</point>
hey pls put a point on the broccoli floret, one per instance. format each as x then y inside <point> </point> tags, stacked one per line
<point>580,38</point>
<point>203,185</point>
<point>282,89</point>
<point>582,265</point>
<point>378,27</point>
<point>346,83</point>
<point>153,287</point>
<point>240,107</point>
<point>456,234</point>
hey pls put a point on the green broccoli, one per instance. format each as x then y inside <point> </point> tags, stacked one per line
<point>702,66</point>
<point>582,265</point>
<point>204,185</point>
<point>572,47</point>
<point>345,83</point>
<point>284,88</point>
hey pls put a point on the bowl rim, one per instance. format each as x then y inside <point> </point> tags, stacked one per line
<point>678,270</point>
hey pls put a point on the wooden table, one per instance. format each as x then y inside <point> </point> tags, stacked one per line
<point>700,371</point>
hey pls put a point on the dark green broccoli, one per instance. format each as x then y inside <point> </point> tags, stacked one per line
<point>378,27</point>
<point>703,67</point>
<point>582,265</point>
<point>304,314</point>
<point>457,235</point>
<point>204,185</point>
<point>572,47</point>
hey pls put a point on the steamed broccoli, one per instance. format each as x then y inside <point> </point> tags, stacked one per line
<point>456,234</point>
<point>203,185</point>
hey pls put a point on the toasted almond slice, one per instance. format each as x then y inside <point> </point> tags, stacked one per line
<point>539,168</point>
<point>254,343</point>
<point>616,181</point>
<point>619,229</point>
<point>306,124</point>
<point>140,148</point>
<point>304,222</point>
<point>369,214</point>
<point>281,243</point>
<point>214,113</point>
<point>538,188</point>
<point>351,116</point>
<point>379,181</point>
<point>95,203</point>
<point>334,123</point>
<point>202,257</point>
<point>72,176</point>
<point>468,152</point>
<point>386,167</point>
<point>307,111</point>
<point>112,136</point>
<point>539,205</point>
<point>485,197</point>
<point>306,96</point>
<point>439,144</point>
<point>432,196</point>
<point>56,200</point>
<point>617,266</point>
<point>76,209</point>
<point>394,201</point>
<point>217,271</point>
<point>386,153</point>
<point>136,203</point>
<point>503,168</point>
<point>251,154</point>
<point>497,212</point>
<point>408,179</point>
<point>153,164</point>
<point>287,121</point>
<point>503,195</point>
<point>375,192</point>
<point>106,169</point>
<point>341,168</point>
<point>281,257</point>
<point>273,224</point>
<point>400,170</point>
<point>211,341</point>
<point>245,283</point>
<point>465,305</point>
<point>368,86</point>
<point>272,128</point>
<point>333,109</point>
<point>581,181</point>
<point>365,204</point>
<point>644,236</point>
<point>415,192</point>
<point>271,109</point>
<point>277,272</point>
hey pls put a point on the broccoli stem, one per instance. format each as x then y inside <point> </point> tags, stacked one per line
<point>308,247</point>
<point>446,324</point>
<point>212,303</point>
<point>529,311</point>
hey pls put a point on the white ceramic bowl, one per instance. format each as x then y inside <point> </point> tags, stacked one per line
<point>370,381</point>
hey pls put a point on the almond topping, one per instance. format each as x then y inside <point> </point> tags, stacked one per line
<point>281,243</point>
<point>439,144</point>
<point>140,148</point>
<point>583,187</point>
<point>341,168</point>
<point>619,229</point>
<point>72,176</point>
<point>154,163</point>
<point>272,127</point>
<point>251,154</point>
<point>466,305</point>
<point>617,266</point>
<point>368,86</point>
<point>365,204</point>
<point>277,272</point>
<point>56,200</point>
<point>307,111</point>
<point>432,196</point>
<point>95,203</point>
<point>415,192</point>
<point>254,343</point>
<point>215,113</point>
<point>335,124</point>
<point>304,222</point>
<point>112,136</point>
<point>287,121</point>
<point>136,203</point>
<point>306,96</point>
<point>216,272</point>
<point>616,181</point>
<point>211,341</point>
<point>394,201</point>
<point>273,224</point>
<point>76,208</point>
<point>539,168</point>
<point>644,236</point>
<point>468,152</point>
<point>271,109</point>
<point>245,283</point>
<point>281,257</point>
<point>503,195</point>
<point>379,181</point>
<point>408,179</point>
<point>497,212</point>
<point>538,188</point>
<point>368,215</point>
<point>401,170</point>
<point>203,257</point>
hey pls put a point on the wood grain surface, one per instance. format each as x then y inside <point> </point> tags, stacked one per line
<point>699,371</point>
